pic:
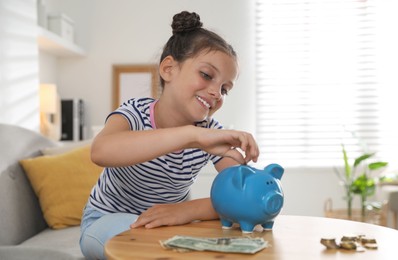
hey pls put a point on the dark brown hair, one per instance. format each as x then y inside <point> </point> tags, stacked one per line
<point>189,39</point>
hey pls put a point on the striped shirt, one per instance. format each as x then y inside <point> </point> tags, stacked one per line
<point>166,179</point>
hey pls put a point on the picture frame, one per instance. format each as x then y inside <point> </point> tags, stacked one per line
<point>131,81</point>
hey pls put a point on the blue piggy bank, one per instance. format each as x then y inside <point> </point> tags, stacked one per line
<point>248,196</point>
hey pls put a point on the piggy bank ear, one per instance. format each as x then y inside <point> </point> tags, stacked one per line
<point>240,174</point>
<point>275,170</point>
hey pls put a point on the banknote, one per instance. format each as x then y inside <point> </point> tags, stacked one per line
<point>246,245</point>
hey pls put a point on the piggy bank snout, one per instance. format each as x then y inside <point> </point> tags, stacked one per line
<point>273,203</point>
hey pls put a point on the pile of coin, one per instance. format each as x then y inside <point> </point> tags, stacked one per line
<point>350,242</point>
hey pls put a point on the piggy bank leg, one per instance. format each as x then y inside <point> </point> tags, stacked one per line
<point>226,224</point>
<point>268,225</point>
<point>246,227</point>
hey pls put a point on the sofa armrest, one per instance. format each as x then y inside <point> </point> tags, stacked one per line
<point>32,253</point>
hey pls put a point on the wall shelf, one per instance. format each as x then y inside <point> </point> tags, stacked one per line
<point>56,45</point>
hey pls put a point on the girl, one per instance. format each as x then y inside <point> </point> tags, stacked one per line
<point>152,150</point>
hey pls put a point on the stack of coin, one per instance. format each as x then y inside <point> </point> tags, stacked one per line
<point>369,243</point>
<point>330,243</point>
<point>350,242</point>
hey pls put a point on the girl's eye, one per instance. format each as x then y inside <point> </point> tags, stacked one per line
<point>205,76</point>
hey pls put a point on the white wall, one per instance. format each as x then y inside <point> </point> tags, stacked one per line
<point>133,32</point>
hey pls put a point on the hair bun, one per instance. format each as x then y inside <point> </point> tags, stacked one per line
<point>185,22</point>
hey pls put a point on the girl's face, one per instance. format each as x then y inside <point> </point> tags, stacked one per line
<point>200,84</point>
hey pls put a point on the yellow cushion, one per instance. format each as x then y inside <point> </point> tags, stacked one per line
<point>63,184</point>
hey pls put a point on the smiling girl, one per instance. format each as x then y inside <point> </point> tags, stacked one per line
<point>152,150</point>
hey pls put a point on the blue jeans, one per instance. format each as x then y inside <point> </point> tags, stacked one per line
<point>97,228</point>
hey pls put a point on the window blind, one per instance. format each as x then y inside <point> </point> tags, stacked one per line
<point>317,84</point>
<point>19,67</point>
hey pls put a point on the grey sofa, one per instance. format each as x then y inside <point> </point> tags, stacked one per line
<point>24,233</point>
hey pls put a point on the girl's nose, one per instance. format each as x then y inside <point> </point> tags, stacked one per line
<point>215,92</point>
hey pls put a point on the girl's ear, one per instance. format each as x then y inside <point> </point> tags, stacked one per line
<point>166,68</point>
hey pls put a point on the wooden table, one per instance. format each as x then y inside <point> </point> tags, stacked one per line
<point>293,237</point>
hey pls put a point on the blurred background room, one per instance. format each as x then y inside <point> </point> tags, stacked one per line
<point>314,75</point>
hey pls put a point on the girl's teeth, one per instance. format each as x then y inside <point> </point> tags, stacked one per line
<point>203,102</point>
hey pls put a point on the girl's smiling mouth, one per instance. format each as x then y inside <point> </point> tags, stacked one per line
<point>204,102</point>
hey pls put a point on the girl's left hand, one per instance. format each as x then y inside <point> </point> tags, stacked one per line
<point>176,214</point>
<point>163,215</point>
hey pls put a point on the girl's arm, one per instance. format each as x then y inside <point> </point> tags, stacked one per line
<point>116,145</point>
<point>176,214</point>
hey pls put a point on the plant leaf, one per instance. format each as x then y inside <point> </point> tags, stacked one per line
<point>346,165</point>
<point>362,158</point>
<point>338,174</point>
<point>363,185</point>
<point>377,165</point>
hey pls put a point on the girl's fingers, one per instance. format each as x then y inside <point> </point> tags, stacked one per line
<point>254,151</point>
<point>235,155</point>
<point>249,146</point>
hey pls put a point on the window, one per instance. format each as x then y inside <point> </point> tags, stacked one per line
<point>318,81</point>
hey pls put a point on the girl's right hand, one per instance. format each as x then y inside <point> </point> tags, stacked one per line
<point>224,143</point>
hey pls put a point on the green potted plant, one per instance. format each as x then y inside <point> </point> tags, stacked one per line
<point>355,183</point>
